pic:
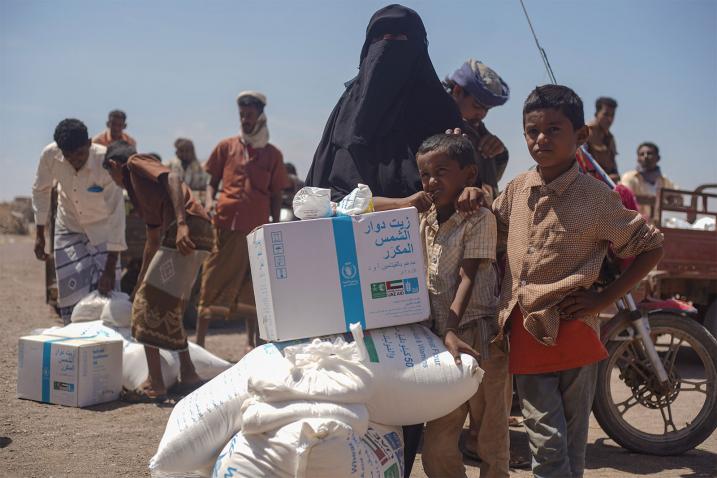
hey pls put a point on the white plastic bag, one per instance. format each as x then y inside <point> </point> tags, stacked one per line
<point>117,311</point>
<point>314,448</point>
<point>358,201</point>
<point>313,203</point>
<point>89,308</point>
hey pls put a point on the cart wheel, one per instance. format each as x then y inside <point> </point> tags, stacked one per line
<point>711,318</point>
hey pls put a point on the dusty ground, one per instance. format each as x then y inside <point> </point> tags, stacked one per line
<point>117,440</point>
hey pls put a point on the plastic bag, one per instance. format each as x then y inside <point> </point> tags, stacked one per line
<point>313,203</point>
<point>358,201</point>
<point>117,311</point>
<point>89,308</point>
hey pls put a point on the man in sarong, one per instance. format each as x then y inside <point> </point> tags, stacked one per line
<point>179,237</point>
<point>253,176</point>
<point>90,219</point>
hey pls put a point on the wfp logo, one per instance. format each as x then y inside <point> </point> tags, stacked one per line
<point>348,271</point>
<point>349,274</point>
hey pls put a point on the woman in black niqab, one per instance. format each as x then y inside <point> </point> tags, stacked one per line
<point>393,104</point>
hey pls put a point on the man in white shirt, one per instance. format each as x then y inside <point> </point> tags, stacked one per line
<point>90,220</point>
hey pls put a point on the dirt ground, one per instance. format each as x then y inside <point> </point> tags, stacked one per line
<point>118,439</point>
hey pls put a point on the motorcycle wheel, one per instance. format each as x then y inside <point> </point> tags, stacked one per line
<point>626,384</point>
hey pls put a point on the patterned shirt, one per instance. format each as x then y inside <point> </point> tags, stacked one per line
<point>557,237</point>
<point>446,245</point>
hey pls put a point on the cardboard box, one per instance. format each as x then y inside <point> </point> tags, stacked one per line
<point>76,372</point>
<point>316,277</point>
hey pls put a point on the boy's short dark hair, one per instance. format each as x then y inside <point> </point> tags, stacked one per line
<point>457,148</point>
<point>557,97</point>
<point>248,100</point>
<point>117,114</point>
<point>649,145</point>
<point>119,151</point>
<point>604,101</point>
<point>71,134</point>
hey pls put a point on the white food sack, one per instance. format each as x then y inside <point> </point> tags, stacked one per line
<point>89,308</point>
<point>262,417</point>
<point>205,420</point>
<point>415,379</point>
<point>324,370</point>
<point>313,448</point>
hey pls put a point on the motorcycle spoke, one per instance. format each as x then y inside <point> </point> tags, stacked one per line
<point>668,418</point>
<point>696,386</point>
<point>671,354</point>
<point>630,402</point>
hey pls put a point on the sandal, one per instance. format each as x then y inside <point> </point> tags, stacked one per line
<point>141,396</point>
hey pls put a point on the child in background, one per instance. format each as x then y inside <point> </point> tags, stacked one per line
<point>462,285</point>
<point>559,224</point>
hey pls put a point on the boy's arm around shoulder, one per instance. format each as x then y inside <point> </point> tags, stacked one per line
<point>421,201</point>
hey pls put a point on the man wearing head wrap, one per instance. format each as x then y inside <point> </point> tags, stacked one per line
<point>476,89</point>
<point>394,103</point>
<point>253,176</point>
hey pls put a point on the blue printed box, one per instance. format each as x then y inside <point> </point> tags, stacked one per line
<point>76,372</point>
<point>316,277</point>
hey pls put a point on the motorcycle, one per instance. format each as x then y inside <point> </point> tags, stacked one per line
<point>660,364</point>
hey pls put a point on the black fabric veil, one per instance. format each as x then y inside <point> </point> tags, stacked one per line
<point>393,104</point>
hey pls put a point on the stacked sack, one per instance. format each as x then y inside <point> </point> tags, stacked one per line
<point>329,407</point>
<point>99,316</point>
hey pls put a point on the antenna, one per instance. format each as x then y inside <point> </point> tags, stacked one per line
<point>543,55</point>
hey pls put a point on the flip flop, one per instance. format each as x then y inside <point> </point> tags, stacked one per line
<point>140,396</point>
<point>181,388</point>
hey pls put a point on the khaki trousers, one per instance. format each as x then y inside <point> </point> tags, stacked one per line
<point>226,276</point>
<point>488,408</point>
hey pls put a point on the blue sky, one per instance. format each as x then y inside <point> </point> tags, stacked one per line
<point>175,67</point>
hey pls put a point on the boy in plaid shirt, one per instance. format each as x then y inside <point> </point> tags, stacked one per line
<point>462,286</point>
<point>559,224</point>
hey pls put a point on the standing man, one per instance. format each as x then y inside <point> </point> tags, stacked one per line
<point>187,166</point>
<point>476,88</point>
<point>601,142</point>
<point>116,124</point>
<point>646,180</point>
<point>90,220</point>
<point>253,176</point>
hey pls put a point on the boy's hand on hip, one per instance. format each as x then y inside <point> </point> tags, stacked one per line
<point>456,347</point>
<point>581,304</point>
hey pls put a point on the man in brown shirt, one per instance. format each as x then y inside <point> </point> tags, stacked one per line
<point>559,224</point>
<point>253,176</point>
<point>170,264</point>
<point>601,142</point>
<point>116,124</point>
